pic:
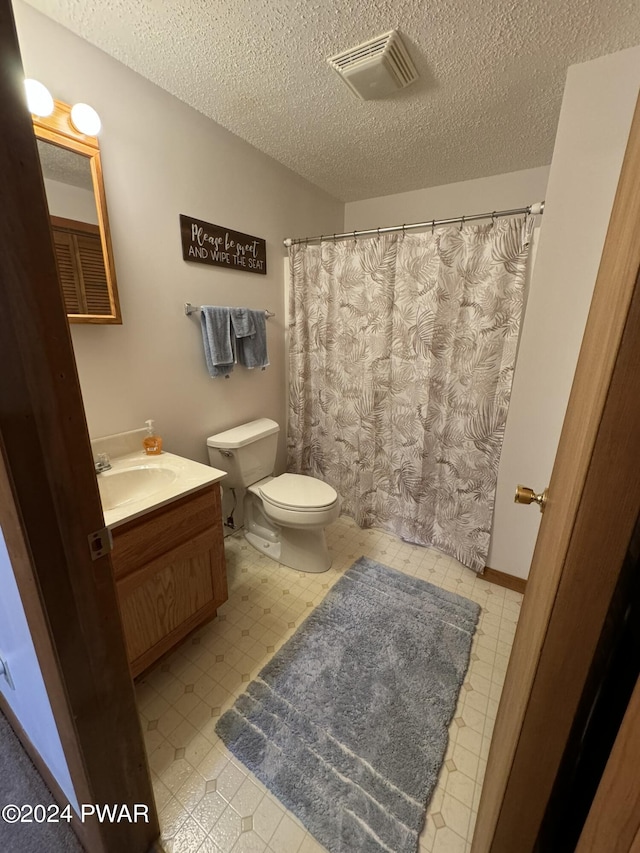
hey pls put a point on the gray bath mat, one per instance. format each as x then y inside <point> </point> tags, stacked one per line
<point>347,724</point>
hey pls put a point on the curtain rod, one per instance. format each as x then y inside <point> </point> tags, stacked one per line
<point>531,210</point>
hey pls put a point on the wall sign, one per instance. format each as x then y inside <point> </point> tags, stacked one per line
<point>205,243</point>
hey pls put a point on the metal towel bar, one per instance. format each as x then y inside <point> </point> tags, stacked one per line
<point>191,309</point>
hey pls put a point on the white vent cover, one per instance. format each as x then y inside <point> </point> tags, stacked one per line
<point>376,68</point>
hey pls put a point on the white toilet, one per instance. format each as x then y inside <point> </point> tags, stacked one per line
<point>285,516</point>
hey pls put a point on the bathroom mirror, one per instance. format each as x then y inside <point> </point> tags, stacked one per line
<point>72,173</point>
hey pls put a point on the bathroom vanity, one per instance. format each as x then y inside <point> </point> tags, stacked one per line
<point>164,514</point>
<point>170,574</point>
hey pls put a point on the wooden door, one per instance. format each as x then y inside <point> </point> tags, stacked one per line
<point>594,500</point>
<point>49,501</point>
<point>613,823</point>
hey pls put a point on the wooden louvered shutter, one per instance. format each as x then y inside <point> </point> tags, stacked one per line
<point>83,277</point>
<point>94,276</point>
<point>68,272</point>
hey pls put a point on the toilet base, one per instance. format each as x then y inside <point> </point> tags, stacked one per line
<point>265,546</point>
<point>302,549</point>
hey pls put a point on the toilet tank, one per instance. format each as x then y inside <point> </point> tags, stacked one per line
<point>247,452</point>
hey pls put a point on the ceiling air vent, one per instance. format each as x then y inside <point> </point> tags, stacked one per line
<point>377,68</point>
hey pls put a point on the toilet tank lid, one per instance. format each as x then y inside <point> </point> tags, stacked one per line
<point>243,434</point>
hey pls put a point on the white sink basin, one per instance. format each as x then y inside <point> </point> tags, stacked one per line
<point>121,487</point>
<point>137,483</point>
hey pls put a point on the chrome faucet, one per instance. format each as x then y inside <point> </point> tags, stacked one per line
<point>102,463</point>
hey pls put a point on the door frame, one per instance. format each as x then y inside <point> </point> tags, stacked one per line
<point>591,510</point>
<point>49,502</point>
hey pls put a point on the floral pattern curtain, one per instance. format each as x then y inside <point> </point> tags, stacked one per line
<point>402,350</point>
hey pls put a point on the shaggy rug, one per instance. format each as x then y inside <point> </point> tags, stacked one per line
<point>347,724</point>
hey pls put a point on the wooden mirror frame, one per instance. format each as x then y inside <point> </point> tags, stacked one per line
<point>59,130</point>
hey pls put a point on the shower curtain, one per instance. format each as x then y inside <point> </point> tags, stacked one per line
<point>402,350</point>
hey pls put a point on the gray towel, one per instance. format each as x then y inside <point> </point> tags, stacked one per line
<point>216,337</point>
<point>252,350</point>
<point>242,321</point>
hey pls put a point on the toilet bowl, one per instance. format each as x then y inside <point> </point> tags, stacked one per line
<point>284,516</point>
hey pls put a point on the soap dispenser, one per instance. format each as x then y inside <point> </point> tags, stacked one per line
<point>152,443</point>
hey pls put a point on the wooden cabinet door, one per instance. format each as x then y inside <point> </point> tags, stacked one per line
<point>170,598</point>
<point>170,572</point>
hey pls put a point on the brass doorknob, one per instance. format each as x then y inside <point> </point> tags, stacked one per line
<point>525,495</point>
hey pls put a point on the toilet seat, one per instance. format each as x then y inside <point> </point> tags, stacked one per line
<point>298,492</point>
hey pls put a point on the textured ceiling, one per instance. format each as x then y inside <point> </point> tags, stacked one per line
<point>491,77</point>
<point>60,164</point>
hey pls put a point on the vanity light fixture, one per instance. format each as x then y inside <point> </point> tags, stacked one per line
<point>39,99</point>
<point>40,102</point>
<point>85,119</point>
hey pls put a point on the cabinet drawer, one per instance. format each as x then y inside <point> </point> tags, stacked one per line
<point>146,538</point>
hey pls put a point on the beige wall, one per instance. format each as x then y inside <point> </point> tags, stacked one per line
<point>497,192</point>
<point>595,119</point>
<point>162,158</point>
<point>71,202</point>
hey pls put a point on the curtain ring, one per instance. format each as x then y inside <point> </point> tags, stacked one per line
<point>493,219</point>
<point>378,233</point>
<point>334,239</point>
<point>433,227</point>
<point>403,232</point>
<point>461,223</point>
<point>354,237</point>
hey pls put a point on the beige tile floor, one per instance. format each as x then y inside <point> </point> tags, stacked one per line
<point>207,800</point>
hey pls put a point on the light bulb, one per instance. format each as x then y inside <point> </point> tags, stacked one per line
<point>85,119</point>
<point>39,98</point>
